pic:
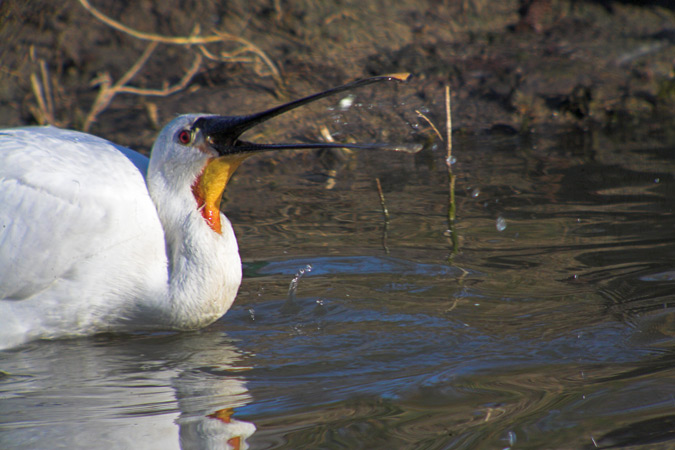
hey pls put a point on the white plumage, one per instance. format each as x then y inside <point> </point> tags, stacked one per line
<point>94,237</point>
<point>82,246</point>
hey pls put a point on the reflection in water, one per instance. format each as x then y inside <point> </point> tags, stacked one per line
<point>556,332</point>
<point>133,392</point>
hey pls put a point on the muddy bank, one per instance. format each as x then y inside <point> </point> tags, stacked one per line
<point>514,66</point>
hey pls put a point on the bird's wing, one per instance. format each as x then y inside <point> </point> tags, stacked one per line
<point>65,199</point>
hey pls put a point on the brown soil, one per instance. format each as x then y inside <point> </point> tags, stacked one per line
<point>513,66</point>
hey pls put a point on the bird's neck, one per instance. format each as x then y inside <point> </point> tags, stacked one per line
<point>204,268</point>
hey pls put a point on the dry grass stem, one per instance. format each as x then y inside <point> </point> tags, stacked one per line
<point>108,90</point>
<point>385,212</point>
<point>46,82</point>
<point>194,39</point>
<point>448,125</point>
<point>326,134</point>
<point>176,40</point>
<point>431,124</point>
<point>328,137</point>
<point>42,87</point>
<point>42,113</point>
<point>452,206</point>
<point>448,160</point>
<point>247,52</point>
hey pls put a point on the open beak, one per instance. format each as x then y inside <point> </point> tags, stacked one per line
<point>222,132</point>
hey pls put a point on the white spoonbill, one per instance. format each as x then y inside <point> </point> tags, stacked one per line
<point>94,237</point>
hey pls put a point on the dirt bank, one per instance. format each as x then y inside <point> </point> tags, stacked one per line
<point>513,66</point>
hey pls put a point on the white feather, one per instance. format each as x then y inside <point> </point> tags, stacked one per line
<point>90,243</point>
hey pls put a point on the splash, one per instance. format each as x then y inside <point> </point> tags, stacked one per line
<point>293,286</point>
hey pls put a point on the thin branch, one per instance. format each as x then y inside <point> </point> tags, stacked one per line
<point>193,39</point>
<point>107,90</point>
<point>138,65</point>
<point>431,124</point>
<point>168,90</point>
<point>179,40</point>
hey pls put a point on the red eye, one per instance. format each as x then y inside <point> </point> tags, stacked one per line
<point>184,137</point>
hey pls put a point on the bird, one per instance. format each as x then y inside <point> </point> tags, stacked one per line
<point>97,238</point>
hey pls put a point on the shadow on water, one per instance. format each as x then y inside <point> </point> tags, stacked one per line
<point>551,329</point>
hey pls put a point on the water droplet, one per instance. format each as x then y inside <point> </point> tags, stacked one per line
<point>251,313</point>
<point>293,286</point>
<point>657,180</point>
<point>475,193</point>
<point>500,224</point>
<point>346,103</point>
<point>320,309</point>
<point>511,436</point>
<point>450,161</point>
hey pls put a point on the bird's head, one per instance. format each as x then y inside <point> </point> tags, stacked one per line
<point>203,151</point>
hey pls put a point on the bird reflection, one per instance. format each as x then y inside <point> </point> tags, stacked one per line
<point>165,392</point>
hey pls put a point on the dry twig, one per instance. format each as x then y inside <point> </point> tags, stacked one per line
<point>194,39</point>
<point>247,52</point>
<point>108,90</point>
<point>431,124</point>
<point>42,90</point>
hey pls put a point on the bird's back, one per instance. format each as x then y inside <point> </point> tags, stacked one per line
<point>76,224</point>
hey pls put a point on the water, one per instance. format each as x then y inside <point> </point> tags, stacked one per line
<point>556,331</point>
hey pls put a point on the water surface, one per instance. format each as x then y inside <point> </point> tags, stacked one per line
<point>550,325</point>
